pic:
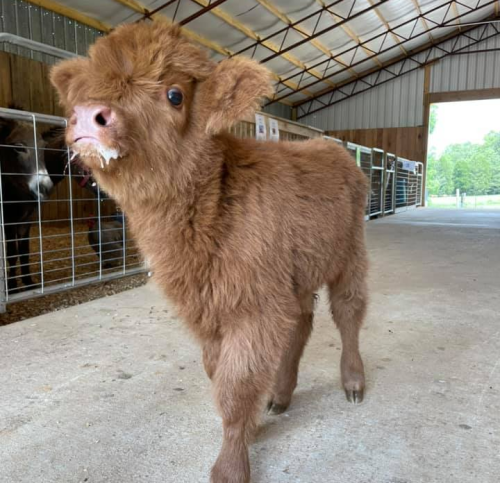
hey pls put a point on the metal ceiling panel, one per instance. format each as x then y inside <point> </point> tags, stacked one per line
<point>236,24</point>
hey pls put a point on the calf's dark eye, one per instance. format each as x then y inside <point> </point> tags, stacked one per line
<point>175,97</point>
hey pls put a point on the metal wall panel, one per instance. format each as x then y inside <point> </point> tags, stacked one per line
<point>280,110</point>
<point>468,72</point>
<point>36,23</point>
<point>399,103</point>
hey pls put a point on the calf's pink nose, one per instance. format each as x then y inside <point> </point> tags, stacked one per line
<point>91,121</point>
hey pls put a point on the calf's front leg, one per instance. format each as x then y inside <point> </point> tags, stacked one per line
<point>246,365</point>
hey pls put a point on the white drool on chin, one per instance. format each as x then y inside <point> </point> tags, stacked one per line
<point>105,154</point>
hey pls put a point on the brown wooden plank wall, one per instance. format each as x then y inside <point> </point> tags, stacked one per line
<point>407,142</point>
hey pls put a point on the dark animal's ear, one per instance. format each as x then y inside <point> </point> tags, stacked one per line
<point>6,127</point>
<point>61,76</point>
<point>232,91</point>
<point>54,137</point>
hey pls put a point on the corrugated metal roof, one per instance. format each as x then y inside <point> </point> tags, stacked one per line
<point>312,46</point>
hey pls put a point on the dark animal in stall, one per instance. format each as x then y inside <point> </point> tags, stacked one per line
<point>110,240</point>
<point>239,234</point>
<point>23,186</point>
<point>25,183</point>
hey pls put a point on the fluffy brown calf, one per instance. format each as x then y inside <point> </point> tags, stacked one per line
<point>240,234</point>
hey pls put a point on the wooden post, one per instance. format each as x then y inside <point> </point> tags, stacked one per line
<point>427,111</point>
<point>384,181</point>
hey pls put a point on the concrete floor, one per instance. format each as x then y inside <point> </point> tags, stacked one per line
<point>113,391</point>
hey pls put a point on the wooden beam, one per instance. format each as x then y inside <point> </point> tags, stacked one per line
<point>72,14</point>
<point>218,12</point>
<point>302,31</point>
<point>352,35</point>
<point>472,95</point>
<point>427,112</point>
<point>387,26</point>
<point>133,5</point>
<point>424,22</point>
<point>457,13</point>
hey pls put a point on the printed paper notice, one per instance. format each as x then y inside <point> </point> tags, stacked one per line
<point>410,166</point>
<point>260,127</point>
<point>274,132</point>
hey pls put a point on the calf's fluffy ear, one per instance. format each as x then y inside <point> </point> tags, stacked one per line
<point>232,91</point>
<point>61,76</point>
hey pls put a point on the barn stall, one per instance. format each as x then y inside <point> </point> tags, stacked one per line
<point>122,362</point>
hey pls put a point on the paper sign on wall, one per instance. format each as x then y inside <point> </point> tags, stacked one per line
<point>274,132</point>
<point>410,166</point>
<point>260,127</point>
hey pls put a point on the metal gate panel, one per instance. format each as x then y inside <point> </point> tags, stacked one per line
<point>377,182</point>
<point>407,182</point>
<point>390,185</point>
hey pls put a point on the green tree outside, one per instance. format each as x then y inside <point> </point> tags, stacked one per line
<point>472,168</point>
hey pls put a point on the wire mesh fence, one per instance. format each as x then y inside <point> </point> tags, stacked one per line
<point>58,229</point>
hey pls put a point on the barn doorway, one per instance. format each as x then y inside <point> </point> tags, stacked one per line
<point>463,160</point>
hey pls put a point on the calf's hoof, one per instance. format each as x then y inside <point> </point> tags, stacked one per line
<point>353,380</point>
<point>231,467</point>
<point>354,396</point>
<point>275,408</point>
<point>228,474</point>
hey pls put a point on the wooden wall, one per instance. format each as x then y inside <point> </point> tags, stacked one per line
<point>408,142</point>
<point>25,83</point>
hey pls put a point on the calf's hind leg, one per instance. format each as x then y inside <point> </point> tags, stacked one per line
<point>348,298</point>
<point>287,374</point>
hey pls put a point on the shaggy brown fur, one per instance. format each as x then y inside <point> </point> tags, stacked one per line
<point>240,234</point>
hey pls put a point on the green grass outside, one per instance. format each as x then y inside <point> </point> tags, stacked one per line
<point>471,202</point>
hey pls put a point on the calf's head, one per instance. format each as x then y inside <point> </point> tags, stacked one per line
<point>146,96</point>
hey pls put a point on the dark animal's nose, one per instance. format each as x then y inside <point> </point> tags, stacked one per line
<point>44,191</point>
<point>91,121</point>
